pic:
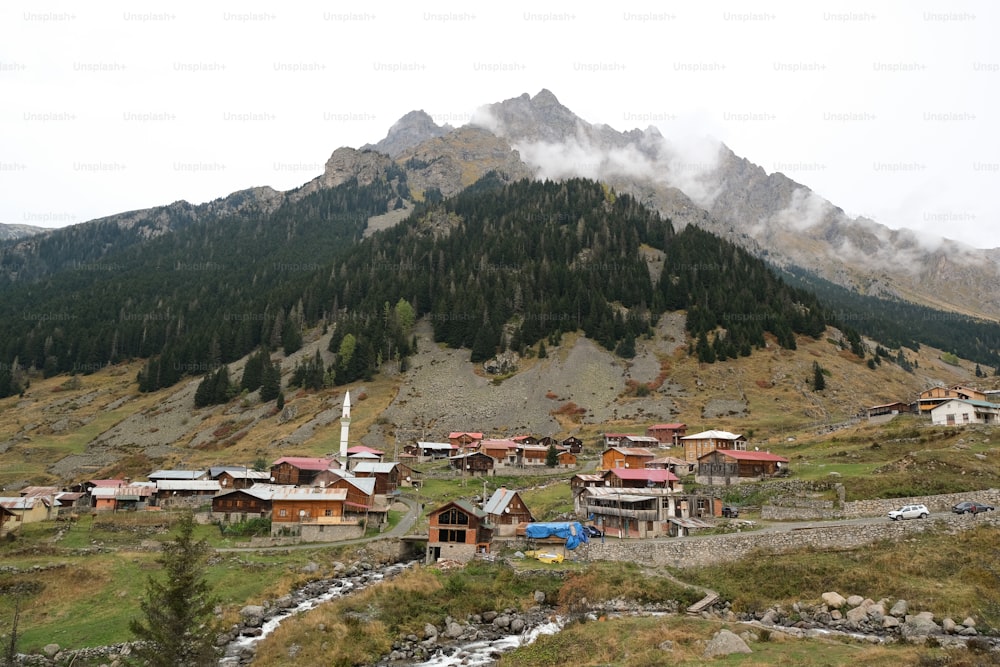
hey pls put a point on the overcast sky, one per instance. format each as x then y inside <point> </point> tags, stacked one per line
<point>888,109</point>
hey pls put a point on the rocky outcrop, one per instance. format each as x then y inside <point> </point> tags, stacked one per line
<point>411,130</point>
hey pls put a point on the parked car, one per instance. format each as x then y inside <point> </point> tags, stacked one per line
<point>971,507</point>
<point>592,531</point>
<point>910,512</point>
<point>730,512</point>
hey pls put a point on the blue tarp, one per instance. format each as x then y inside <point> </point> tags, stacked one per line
<point>571,531</point>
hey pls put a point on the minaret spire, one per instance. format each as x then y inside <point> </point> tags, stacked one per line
<point>345,425</point>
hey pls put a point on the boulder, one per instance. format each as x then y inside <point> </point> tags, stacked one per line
<point>969,622</point>
<point>430,630</point>
<point>666,645</point>
<point>539,597</point>
<point>855,600</point>
<point>834,600</point>
<point>900,609</point>
<point>453,630</point>
<point>856,616</point>
<point>948,626</point>
<point>918,625</point>
<point>517,625</point>
<point>968,632</point>
<point>502,621</point>
<point>50,650</point>
<point>725,643</point>
<point>890,622</point>
<point>252,615</point>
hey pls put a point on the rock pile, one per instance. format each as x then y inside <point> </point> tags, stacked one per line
<point>878,620</point>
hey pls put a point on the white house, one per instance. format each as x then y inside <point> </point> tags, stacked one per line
<point>957,411</point>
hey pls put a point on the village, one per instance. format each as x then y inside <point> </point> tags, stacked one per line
<point>631,490</point>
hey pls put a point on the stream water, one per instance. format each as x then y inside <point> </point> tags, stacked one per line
<point>482,653</point>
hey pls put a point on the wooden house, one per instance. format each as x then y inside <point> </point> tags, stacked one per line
<point>698,444</point>
<point>578,485</point>
<point>935,396</point>
<point>625,457</point>
<point>725,466</point>
<point>458,531</point>
<point>505,510</point>
<point>295,507</point>
<point>531,456</point>
<point>241,478</point>
<point>641,478</point>
<point>887,411</point>
<point>668,435</point>
<point>679,467</point>
<point>172,492</point>
<point>388,475</point>
<point>566,459</point>
<point>473,463</point>
<point>614,439</point>
<point>647,441</point>
<point>503,450</point>
<point>432,451</point>
<point>464,441</point>
<point>235,505</point>
<point>299,470</point>
<point>573,444</point>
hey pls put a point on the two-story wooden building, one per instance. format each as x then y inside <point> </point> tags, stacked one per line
<point>472,463</point>
<point>236,505</point>
<point>726,466</point>
<point>505,510</point>
<point>668,435</point>
<point>313,514</point>
<point>458,531</point>
<point>641,478</point>
<point>625,457</point>
<point>299,470</point>
<point>464,441</point>
<point>702,443</point>
<point>935,396</point>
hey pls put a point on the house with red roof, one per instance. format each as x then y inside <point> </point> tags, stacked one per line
<point>504,450</point>
<point>732,466</point>
<point>641,478</point>
<point>465,440</point>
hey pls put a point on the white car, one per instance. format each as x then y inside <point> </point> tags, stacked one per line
<point>909,512</point>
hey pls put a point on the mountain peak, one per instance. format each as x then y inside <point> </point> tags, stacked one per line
<point>411,130</point>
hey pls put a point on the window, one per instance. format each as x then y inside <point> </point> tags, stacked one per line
<point>327,512</point>
<point>965,417</point>
<point>452,536</point>
<point>282,512</point>
<point>453,517</point>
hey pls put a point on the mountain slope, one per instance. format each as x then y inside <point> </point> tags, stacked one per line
<point>13,232</point>
<point>704,182</point>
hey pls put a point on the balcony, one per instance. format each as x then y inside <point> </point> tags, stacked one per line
<point>640,515</point>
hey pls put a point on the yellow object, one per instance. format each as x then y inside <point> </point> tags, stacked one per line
<point>545,556</point>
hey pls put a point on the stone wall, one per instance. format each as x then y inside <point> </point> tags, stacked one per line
<point>694,551</point>
<point>939,503</point>
<point>804,510</point>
